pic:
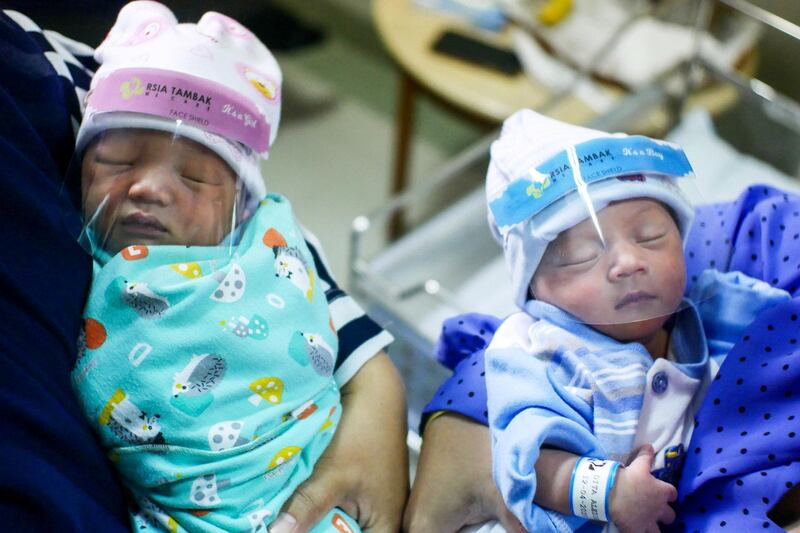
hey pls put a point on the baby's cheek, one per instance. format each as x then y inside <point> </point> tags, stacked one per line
<point>676,282</point>
<point>206,230</point>
<point>104,223</point>
<point>586,301</point>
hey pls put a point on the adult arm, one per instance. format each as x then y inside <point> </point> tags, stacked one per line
<point>453,486</point>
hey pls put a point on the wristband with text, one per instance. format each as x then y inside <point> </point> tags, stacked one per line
<point>590,488</point>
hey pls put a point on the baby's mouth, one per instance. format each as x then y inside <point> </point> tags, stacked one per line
<point>143,224</point>
<point>633,298</point>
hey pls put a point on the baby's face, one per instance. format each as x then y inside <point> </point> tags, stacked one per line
<point>626,289</point>
<point>161,190</point>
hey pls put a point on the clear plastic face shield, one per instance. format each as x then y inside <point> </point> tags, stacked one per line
<point>142,187</point>
<point>602,227</point>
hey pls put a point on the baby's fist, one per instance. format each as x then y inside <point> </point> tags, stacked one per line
<point>638,500</point>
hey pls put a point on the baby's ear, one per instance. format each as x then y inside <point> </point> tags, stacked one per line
<point>137,22</point>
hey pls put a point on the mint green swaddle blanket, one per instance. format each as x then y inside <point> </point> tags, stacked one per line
<point>208,375</point>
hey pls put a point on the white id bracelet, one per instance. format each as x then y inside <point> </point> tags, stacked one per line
<point>590,488</point>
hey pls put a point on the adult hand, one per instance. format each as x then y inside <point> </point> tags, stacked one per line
<point>453,486</point>
<point>364,470</point>
<point>639,501</point>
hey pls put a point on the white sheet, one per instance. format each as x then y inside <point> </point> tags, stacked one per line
<point>722,172</point>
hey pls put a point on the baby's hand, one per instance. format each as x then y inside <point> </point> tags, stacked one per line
<point>638,499</point>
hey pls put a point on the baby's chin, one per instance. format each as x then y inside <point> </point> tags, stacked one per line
<point>640,330</point>
<point>116,244</point>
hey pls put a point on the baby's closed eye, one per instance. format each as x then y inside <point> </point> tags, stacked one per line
<point>650,237</point>
<point>114,164</point>
<point>577,254</point>
<point>579,259</point>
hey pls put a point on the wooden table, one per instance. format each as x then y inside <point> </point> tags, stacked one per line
<point>408,33</point>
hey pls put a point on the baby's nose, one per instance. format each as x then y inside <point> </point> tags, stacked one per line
<point>152,184</point>
<point>627,261</point>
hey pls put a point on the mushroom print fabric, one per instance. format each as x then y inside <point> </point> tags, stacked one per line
<point>744,453</point>
<point>190,372</point>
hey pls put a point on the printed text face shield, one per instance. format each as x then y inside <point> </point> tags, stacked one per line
<point>621,265</point>
<point>144,187</point>
<point>597,230</point>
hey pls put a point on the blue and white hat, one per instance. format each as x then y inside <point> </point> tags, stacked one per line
<point>539,166</point>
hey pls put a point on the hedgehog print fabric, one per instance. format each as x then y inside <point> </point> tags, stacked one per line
<point>209,376</point>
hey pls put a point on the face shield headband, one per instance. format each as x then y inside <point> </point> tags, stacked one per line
<point>176,96</point>
<point>573,169</point>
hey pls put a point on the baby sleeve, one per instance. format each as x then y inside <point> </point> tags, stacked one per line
<point>530,409</point>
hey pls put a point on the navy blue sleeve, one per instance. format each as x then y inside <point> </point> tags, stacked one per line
<point>53,473</point>
<point>743,455</point>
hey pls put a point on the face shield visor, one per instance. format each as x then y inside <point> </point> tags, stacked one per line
<point>159,183</point>
<point>598,231</point>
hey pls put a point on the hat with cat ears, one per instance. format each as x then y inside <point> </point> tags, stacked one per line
<point>214,82</point>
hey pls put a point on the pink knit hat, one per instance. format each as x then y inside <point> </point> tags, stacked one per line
<point>214,81</point>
